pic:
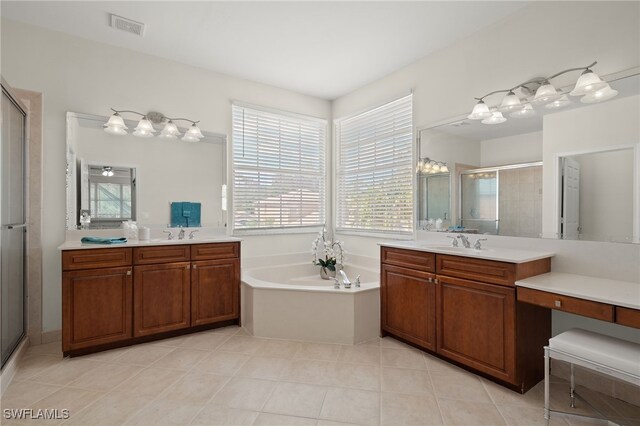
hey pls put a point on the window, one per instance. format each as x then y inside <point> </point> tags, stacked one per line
<point>278,170</point>
<point>375,171</point>
<point>111,194</point>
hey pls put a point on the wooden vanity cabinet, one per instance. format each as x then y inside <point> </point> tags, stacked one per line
<point>215,283</point>
<point>215,291</point>
<point>96,307</point>
<point>408,301</point>
<point>119,296</point>
<point>476,325</point>
<point>161,298</point>
<point>465,310</point>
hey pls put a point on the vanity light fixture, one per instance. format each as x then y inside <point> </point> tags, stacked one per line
<point>145,129</point>
<point>589,85</point>
<point>429,166</point>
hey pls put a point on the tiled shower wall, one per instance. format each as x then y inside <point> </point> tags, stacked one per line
<point>520,202</point>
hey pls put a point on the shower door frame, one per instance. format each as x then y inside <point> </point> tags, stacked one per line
<point>15,99</point>
<point>497,170</point>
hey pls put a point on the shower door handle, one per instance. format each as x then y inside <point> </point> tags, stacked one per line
<point>14,226</point>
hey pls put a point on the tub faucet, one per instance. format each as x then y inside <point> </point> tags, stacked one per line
<point>345,279</point>
<point>465,241</point>
<point>336,283</point>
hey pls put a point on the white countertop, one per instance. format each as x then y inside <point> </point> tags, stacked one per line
<point>614,292</point>
<point>78,245</point>
<point>488,253</point>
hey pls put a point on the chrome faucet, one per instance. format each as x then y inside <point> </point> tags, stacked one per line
<point>181,234</point>
<point>170,236</point>
<point>454,242</point>
<point>477,244</point>
<point>465,241</point>
<point>345,279</point>
<point>192,234</point>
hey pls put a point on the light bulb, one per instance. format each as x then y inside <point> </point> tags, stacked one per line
<point>588,82</point>
<point>193,134</point>
<point>480,111</point>
<point>546,93</point>
<point>144,129</point>
<point>115,125</point>
<point>496,118</point>
<point>601,95</point>
<point>170,131</point>
<point>510,102</point>
<point>436,168</point>
<point>444,169</point>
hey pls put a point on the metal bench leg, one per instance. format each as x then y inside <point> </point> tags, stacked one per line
<point>572,389</point>
<point>547,412</point>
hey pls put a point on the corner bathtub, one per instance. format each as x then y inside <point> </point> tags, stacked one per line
<point>289,300</point>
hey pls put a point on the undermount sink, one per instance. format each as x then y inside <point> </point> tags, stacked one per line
<point>457,249</point>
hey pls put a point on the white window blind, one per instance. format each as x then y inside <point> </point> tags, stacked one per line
<point>278,170</point>
<point>375,170</point>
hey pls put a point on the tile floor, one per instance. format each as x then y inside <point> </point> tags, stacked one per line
<point>225,377</point>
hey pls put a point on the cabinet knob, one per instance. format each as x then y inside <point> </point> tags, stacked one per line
<point>129,272</point>
<point>430,280</point>
<point>558,304</point>
<point>188,267</point>
<point>195,266</point>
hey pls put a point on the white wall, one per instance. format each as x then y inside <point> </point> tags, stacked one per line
<point>83,76</point>
<point>524,148</point>
<point>579,131</point>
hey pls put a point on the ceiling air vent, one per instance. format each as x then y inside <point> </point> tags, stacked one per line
<point>128,25</point>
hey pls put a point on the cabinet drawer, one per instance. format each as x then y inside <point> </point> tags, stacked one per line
<point>488,271</point>
<point>73,260</point>
<point>215,251</point>
<point>628,317</point>
<point>573,305</point>
<point>408,258</point>
<point>160,254</point>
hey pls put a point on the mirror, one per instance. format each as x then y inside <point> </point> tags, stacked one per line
<point>596,193</point>
<point>108,195</point>
<point>571,172</point>
<point>111,179</point>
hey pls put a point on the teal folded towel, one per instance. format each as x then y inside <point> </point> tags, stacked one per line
<point>98,240</point>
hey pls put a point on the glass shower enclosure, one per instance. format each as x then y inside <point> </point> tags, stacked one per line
<point>504,200</point>
<point>13,225</point>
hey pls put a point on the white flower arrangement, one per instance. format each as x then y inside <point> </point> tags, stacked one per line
<point>331,251</point>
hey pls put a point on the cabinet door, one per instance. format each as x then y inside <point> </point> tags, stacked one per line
<point>215,289</point>
<point>96,307</point>
<point>161,298</point>
<point>476,325</point>
<point>408,305</point>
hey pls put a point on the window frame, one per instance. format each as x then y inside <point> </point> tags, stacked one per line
<point>303,229</point>
<point>375,233</point>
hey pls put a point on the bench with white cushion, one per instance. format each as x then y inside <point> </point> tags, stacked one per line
<point>608,355</point>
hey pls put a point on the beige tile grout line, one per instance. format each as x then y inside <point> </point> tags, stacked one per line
<point>433,388</point>
<point>112,391</point>
<point>493,401</point>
